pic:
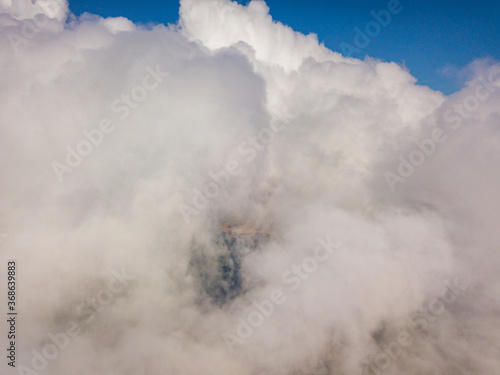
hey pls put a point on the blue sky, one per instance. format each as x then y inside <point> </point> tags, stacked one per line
<point>434,39</point>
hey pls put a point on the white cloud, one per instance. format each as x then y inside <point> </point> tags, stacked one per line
<point>220,76</point>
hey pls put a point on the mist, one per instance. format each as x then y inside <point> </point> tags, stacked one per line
<point>225,195</point>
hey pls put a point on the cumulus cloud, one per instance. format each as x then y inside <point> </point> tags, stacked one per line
<point>126,149</point>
